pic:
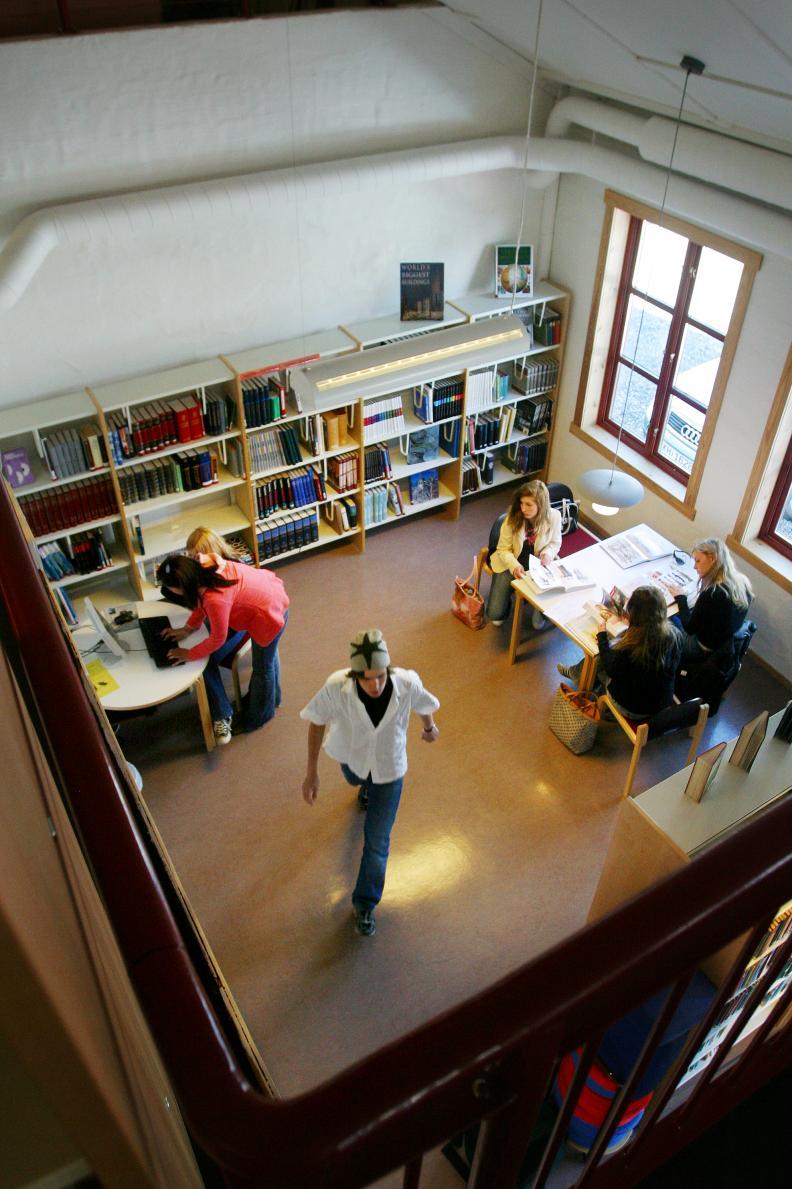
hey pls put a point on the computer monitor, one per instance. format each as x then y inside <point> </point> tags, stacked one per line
<point>107,634</point>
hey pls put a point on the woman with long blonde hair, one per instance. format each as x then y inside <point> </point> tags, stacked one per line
<point>722,599</point>
<point>206,540</point>
<point>530,527</point>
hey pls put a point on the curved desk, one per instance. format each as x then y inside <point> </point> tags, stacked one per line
<point>140,683</point>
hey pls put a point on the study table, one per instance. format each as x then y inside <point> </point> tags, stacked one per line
<point>139,682</point>
<point>563,607</point>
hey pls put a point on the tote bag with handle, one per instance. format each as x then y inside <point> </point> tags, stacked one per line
<point>466,601</point>
<point>574,718</point>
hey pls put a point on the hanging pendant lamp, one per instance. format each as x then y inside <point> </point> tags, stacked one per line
<point>610,490</point>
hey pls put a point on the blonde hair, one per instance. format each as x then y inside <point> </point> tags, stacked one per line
<point>205,540</point>
<point>650,633</point>
<point>537,491</point>
<point>724,572</point>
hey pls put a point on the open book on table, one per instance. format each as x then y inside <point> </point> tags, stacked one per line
<point>671,577</point>
<point>610,611</point>
<point>636,545</point>
<point>556,576</point>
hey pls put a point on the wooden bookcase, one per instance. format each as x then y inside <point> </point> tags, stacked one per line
<point>260,461</point>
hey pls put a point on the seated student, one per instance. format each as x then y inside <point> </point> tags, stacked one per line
<point>531,527</point>
<point>638,671</point>
<point>722,601</point>
<point>230,595</point>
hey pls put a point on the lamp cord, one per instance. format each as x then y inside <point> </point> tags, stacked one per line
<point>525,155</point>
<point>669,170</point>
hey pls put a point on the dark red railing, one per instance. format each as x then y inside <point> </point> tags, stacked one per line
<point>490,1059</point>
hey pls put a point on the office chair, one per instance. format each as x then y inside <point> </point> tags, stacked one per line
<point>691,715</point>
<point>710,677</point>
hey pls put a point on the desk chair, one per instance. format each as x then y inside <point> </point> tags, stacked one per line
<point>486,552</point>
<point>710,677</point>
<point>232,662</point>
<point>691,715</point>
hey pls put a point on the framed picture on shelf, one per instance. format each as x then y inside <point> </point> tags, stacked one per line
<point>422,292</point>
<point>513,275</point>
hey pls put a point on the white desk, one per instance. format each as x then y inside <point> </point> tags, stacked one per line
<point>734,796</point>
<point>562,607</point>
<point>140,682</point>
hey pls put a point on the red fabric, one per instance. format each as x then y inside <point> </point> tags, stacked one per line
<point>597,1094</point>
<point>255,604</point>
<point>574,542</point>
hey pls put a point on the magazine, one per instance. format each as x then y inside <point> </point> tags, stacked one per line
<point>675,577</point>
<point>636,545</point>
<point>557,576</point>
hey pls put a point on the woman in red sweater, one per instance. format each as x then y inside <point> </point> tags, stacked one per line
<point>230,595</point>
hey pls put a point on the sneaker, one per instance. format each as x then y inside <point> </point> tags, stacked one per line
<point>222,731</point>
<point>571,672</point>
<point>364,922</point>
<point>496,623</point>
<point>362,797</point>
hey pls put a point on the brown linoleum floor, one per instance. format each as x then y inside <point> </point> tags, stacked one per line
<point>498,843</point>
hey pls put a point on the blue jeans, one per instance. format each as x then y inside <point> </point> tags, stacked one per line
<point>381,813</point>
<point>264,693</point>
<point>219,702</point>
<point>500,596</point>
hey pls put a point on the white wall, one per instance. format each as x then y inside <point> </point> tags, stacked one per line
<point>90,116</point>
<point>761,352</point>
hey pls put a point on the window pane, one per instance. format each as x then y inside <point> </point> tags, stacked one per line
<point>681,434</point>
<point>661,254</point>
<point>717,281</point>
<point>697,364</point>
<point>633,397</point>
<point>647,327</point>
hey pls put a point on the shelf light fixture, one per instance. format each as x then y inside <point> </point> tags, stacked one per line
<point>608,489</point>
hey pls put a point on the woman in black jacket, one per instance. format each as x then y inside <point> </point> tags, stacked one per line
<point>638,671</point>
<point>721,604</point>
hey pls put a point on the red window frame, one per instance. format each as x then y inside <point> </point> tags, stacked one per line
<point>781,493</point>
<point>665,390</point>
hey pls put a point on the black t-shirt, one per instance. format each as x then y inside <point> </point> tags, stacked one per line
<point>375,707</point>
<point>643,692</point>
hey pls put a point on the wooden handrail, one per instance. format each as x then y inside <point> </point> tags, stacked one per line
<point>470,1063</point>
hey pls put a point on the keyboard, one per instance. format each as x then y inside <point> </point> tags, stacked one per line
<point>156,645</point>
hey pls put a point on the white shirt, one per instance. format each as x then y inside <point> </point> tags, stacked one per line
<point>353,739</point>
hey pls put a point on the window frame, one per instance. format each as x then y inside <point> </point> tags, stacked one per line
<point>781,493</point>
<point>619,210</point>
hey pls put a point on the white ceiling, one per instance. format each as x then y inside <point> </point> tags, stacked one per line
<point>613,47</point>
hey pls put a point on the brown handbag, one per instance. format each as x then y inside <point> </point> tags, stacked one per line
<point>466,601</point>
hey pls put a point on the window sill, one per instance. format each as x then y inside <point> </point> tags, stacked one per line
<point>767,560</point>
<point>652,477</point>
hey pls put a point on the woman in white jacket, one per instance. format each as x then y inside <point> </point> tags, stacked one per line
<point>531,527</point>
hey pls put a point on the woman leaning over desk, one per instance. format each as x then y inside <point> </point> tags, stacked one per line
<point>638,671</point>
<point>721,604</point>
<point>230,595</point>
<point>531,526</point>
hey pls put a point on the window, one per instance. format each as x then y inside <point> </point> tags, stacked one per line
<point>673,311</point>
<point>776,528</point>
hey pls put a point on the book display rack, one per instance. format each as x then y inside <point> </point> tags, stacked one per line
<point>112,478</point>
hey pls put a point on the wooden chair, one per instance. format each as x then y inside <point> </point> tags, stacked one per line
<point>691,715</point>
<point>232,662</point>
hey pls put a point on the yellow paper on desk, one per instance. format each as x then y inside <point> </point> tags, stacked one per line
<point>102,681</point>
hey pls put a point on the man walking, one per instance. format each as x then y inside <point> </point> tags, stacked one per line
<point>367,708</point>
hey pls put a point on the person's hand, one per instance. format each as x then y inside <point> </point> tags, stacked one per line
<point>179,655</point>
<point>429,734</point>
<point>310,789</point>
<point>676,591</point>
<point>176,633</point>
<point>546,556</point>
<point>602,626</point>
<point>518,571</point>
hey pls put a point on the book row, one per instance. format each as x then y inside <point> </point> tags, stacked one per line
<point>69,452</point>
<point>70,505</point>
<point>341,514</point>
<point>546,327</point>
<point>440,400</point>
<point>377,500</point>
<point>377,463</point>
<point>535,375</point>
<point>525,457</point>
<point>276,448</point>
<point>534,415</point>
<point>186,471</point>
<point>383,418</point>
<point>471,476</point>
<point>343,470</point>
<point>486,388</point>
<point>292,490</point>
<point>267,398</point>
<point>287,532</point>
<point>67,606</point>
<point>83,553</point>
<point>159,424</point>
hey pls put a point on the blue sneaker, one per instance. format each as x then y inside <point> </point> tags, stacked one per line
<point>364,922</point>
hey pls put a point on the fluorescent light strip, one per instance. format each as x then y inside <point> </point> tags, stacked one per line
<point>383,369</point>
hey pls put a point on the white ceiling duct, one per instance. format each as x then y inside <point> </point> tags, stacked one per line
<point>760,173</point>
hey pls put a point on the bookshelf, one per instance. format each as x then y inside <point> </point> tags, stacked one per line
<point>118,475</point>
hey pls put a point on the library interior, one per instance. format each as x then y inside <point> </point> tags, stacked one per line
<point>364,299</point>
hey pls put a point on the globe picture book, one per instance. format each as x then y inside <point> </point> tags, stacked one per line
<point>422,292</point>
<point>512,275</point>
